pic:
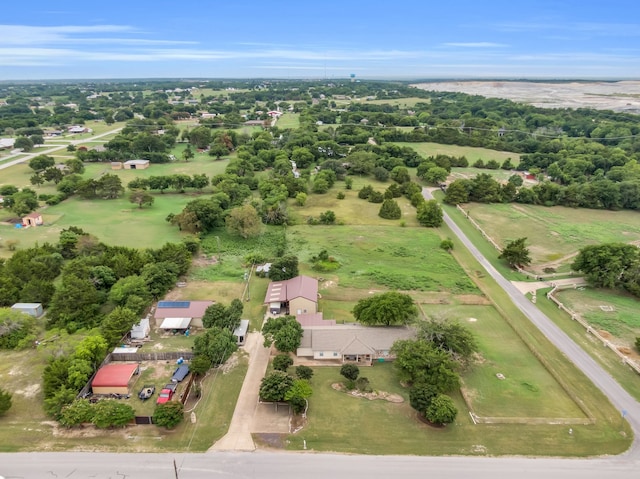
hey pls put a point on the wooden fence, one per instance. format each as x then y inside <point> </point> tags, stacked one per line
<point>576,317</point>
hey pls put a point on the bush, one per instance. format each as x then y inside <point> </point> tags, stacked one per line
<point>5,401</point>
<point>282,362</point>
<point>376,197</point>
<point>340,195</point>
<point>169,414</point>
<point>362,384</point>
<point>637,343</point>
<point>390,210</point>
<point>304,372</point>
<point>350,371</point>
<point>442,410</point>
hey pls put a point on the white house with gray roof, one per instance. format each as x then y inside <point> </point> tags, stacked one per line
<point>352,342</point>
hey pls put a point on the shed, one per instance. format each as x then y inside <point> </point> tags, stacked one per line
<point>114,378</point>
<point>241,332</point>
<point>32,219</point>
<point>124,350</point>
<point>136,164</point>
<point>32,309</point>
<point>116,165</point>
<point>175,323</point>
<point>141,330</point>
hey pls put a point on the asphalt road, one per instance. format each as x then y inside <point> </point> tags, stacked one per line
<point>616,394</point>
<point>53,149</point>
<point>302,465</point>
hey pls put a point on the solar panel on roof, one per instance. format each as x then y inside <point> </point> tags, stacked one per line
<point>174,304</point>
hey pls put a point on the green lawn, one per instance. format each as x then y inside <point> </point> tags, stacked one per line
<point>472,153</point>
<point>114,222</point>
<point>339,422</point>
<point>289,120</point>
<point>623,322</point>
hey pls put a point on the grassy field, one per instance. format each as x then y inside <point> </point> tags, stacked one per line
<point>472,153</point>
<point>623,322</point>
<point>339,422</point>
<point>382,257</point>
<point>114,222</point>
<point>289,120</point>
<point>408,102</point>
<point>554,233</point>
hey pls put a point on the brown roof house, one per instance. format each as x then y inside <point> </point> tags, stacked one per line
<point>180,314</point>
<point>352,342</point>
<point>294,296</point>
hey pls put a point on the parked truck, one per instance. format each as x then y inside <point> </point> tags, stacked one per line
<point>167,392</point>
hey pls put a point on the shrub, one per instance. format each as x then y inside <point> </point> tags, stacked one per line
<point>282,362</point>
<point>390,210</point>
<point>350,371</point>
<point>304,372</point>
<point>169,414</point>
<point>340,195</point>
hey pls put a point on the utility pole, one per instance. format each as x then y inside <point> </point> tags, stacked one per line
<point>175,468</point>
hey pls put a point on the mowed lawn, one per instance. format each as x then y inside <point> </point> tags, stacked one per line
<point>472,153</point>
<point>114,222</point>
<point>528,390</point>
<point>343,423</point>
<point>553,233</point>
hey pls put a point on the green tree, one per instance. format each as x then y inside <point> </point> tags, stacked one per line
<point>159,277</point>
<point>457,192</point>
<point>350,371</point>
<point>274,386</point>
<point>451,337</point>
<point>281,362</point>
<point>420,396</point>
<point>446,244</point>
<point>41,162</point>
<point>127,287</point>
<point>516,253</point>
<point>216,344</point>
<point>298,394</point>
<point>187,153</point>
<point>23,143</point>
<point>420,362</point>
<point>305,372</point>
<point>75,303</point>
<point>387,309</point>
<point>24,202</point>
<point>430,214</point>
<point>400,174</point>
<point>284,332</point>
<point>5,401</point>
<point>110,413</point>
<point>390,210</point>
<point>327,218</point>
<point>436,175</point>
<point>244,221</point>
<point>15,327</point>
<point>442,410</point>
<point>608,265</point>
<point>169,414</point>
<point>60,398</point>
<point>110,187</point>
<point>117,323</point>
<point>301,198</point>
<point>215,316</point>
<point>200,137</point>
<point>285,267</point>
<point>141,198</point>
<point>77,413</point>
<point>199,365</point>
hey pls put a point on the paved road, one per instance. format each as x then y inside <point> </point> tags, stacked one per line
<point>53,149</point>
<point>302,465</point>
<point>618,396</point>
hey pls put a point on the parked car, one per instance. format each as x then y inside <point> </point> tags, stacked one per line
<point>180,373</point>
<point>167,392</point>
<point>146,392</point>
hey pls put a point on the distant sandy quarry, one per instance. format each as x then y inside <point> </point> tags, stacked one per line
<point>623,96</point>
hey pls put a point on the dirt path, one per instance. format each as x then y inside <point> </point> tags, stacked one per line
<point>238,437</point>
<point>529,287</point>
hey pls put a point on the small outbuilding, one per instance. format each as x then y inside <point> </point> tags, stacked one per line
<point>141,330</point>
<point>114,378</point>
<point>241,332</point>
<point>116,165</point>
<point>32,309</point>
<point>136,164</point>
<point>176,323</point>
<point>32,219</point>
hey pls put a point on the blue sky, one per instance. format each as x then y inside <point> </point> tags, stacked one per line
<point>322,39</point>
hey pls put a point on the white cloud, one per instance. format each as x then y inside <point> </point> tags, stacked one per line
<point>475,44</point>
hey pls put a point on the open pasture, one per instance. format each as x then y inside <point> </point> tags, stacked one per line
<point>472,153</point>
<point>553,234</point>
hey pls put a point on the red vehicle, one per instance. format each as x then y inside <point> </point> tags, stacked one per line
<point>167,393</point>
